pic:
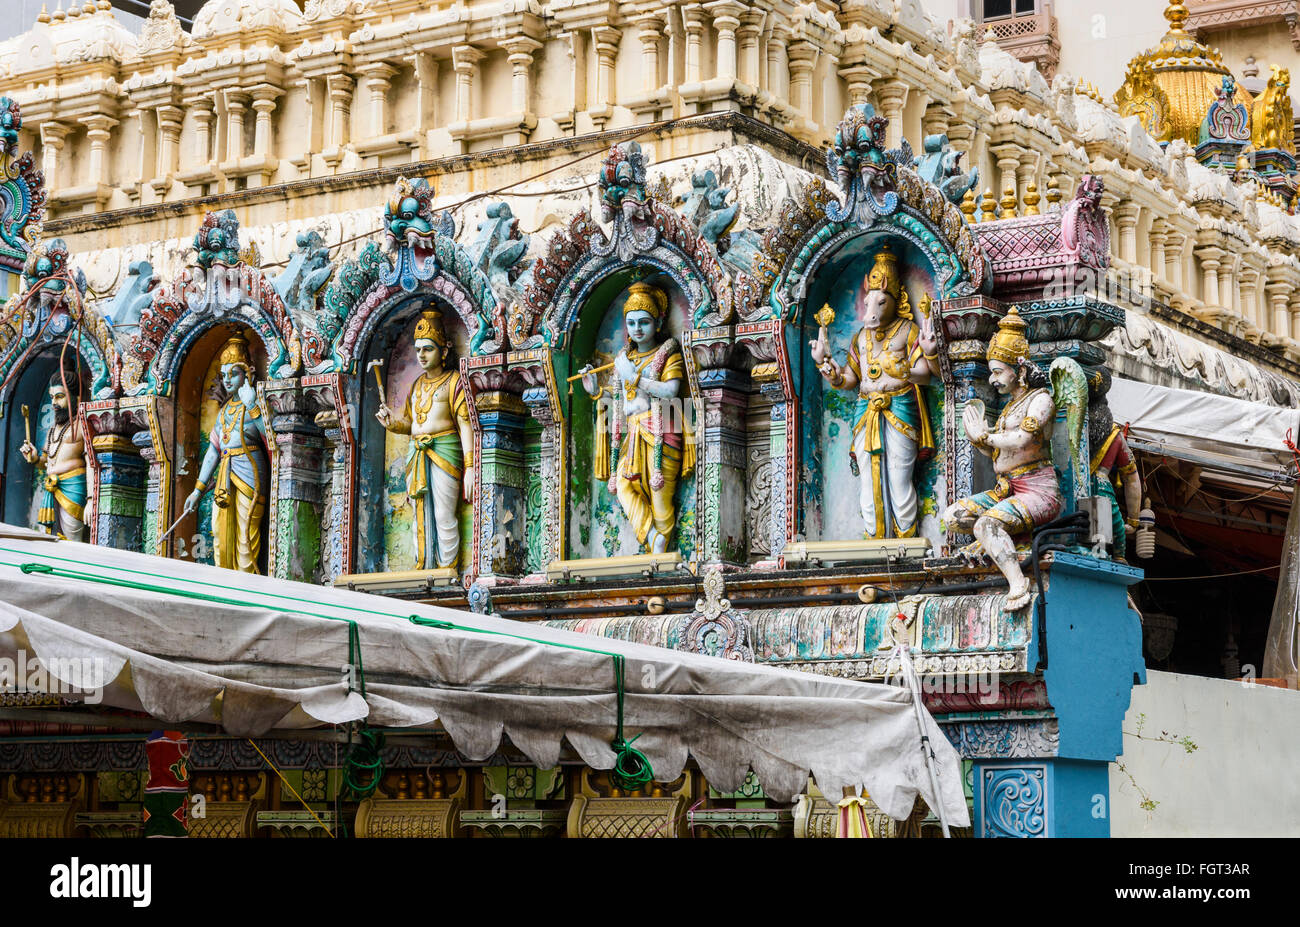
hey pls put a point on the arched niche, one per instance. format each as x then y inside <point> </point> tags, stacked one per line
<point>384,534</point>
<point>596,525</point>
<point>826,415</point>
<point>199,395</point>
<point>29,386</point>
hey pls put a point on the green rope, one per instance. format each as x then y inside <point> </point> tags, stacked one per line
<point>631,771</point>
<point>364,759</point>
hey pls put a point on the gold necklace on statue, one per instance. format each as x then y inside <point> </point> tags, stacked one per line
<point>426,390</point>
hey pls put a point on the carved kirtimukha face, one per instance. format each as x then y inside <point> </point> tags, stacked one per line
<point>233,376</point>
<point>428,355</point>
<point>640,329</point>
<point>1002,376</point>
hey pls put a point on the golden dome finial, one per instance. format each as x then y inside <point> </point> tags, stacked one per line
<point>1177,14</point>
<point>1008,203</point>
<point>988,206</point>
<point>44,15</point>
<point>968,206</point>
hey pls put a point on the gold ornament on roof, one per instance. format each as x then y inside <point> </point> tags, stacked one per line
<point>988,206</point>
<point>968,206</point>
<point>1271,121</point>
<point>1171,87</point>
<point>1008,203</point>
<point>1032,199</point>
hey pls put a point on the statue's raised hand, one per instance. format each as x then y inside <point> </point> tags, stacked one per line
<point>28,450</point>
<point>248,394</point>
<point>385,415</point>
<point>928,340</point>
<point>819,347</point>
<point>588,380</point>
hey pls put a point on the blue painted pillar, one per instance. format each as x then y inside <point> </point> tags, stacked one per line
<point>502,530</point>
<point>1089,650</point>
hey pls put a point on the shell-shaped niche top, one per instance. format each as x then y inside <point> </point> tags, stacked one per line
<point>223,16</point>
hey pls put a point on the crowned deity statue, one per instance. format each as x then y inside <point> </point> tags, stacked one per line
<point>1028,492</point>
<point>1114,467</point>
<point>890,359</point>
<point>63,504</point>
<point>653,447</point>
<point>440,460</point>
<point>237,456</point>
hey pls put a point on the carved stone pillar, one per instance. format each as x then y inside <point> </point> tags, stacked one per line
<point>721,494</point>
<point>778,67</point>
<point>170,119</point>
<point>779,440</point>
<point>1228,294</point>
<point>892,96</point>
<point>650,32</point>
<point>1250,296</point>
<point>53,135</point>
<point>1209,257</point>
<point>1156,238</point>
<point>726,20</point>
<point>339,87</point>
<point>606,42</point>
<point>1126,218</point>
<point>203,115</point>
<point>1174,260</point>
<point>378,78</point>
<point>751,27</point>
<point>1279,291</point>
<point>540,405</point>
<point>1008,161</point>
<point>97,131</point>
<point>693,18</point>
<point>858,80</point>
<point>502,542</point>
<point>519,51</point>
<point>236,106</point>
<point>334,499</point>
<point>936,120</point>
<point>293,541</point>
<point>803,58</point>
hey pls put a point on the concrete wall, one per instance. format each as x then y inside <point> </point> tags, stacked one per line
<point>1240,781</point>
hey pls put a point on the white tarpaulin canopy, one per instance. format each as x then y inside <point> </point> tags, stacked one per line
<point>191,643</point>
<point>1217,428</point>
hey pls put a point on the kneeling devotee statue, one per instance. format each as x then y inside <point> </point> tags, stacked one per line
<point>440,461</point>
<point>63,504</point>
<point>237,453</point>
<point>890,358</point>
<point>653,447</point>
<point>1028,493</point>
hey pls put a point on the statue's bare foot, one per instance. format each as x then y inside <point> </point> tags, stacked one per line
<point>1018,597</point>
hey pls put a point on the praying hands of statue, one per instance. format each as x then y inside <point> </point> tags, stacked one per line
<point>977,429</point>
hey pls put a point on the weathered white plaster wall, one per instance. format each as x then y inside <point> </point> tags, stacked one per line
<point>1241,779</point>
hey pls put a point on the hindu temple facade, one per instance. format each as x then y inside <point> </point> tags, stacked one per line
<point>680,324</point>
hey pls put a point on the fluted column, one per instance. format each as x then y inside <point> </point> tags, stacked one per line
<point>1158,236</point>
<point>520,51</point>
<point>1250,295</point>
<point>650,32</point>
<point>1174,261</point>
<point>693,18</point>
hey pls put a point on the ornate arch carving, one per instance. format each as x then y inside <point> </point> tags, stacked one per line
<point>221,286</point>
